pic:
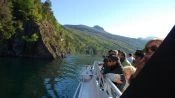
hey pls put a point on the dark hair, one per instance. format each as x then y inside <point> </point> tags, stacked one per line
<point>105,59</point>
<point>139,53</point>
<point>130,54</point>
<point>113,58</point>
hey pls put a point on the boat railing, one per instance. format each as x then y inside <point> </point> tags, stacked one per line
<point>85,75</point>
<point>77,91</point>
<point>105,83</point>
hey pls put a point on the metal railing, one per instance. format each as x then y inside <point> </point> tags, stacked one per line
<point>105,83</point>
<point>77,91</point>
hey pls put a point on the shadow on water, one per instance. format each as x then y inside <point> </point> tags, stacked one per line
<point>19,78</point>
<point>29,78</point>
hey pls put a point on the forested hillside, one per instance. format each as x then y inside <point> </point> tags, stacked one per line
<point>106,40</point>
<point>28,28</point>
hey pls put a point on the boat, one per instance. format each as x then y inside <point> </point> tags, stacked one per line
<point>93,85</point>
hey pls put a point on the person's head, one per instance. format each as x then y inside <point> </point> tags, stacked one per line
<point>112,53</point>
<point>139,54</point>
<point>113,61</point>
<point>130,55</point>
<point>128,71</point>
<point>151,46</point>
<point>122,56</point>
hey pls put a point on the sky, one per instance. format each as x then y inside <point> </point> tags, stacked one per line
<point>130,18</point>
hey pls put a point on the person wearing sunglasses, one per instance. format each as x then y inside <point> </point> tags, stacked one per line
<point>150,47</point>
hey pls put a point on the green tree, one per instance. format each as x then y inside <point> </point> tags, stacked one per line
<point>27,9</point>
<point>33,38</point>
<point>6,22</point>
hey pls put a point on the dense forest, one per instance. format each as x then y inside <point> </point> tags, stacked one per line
<point>28,28</point>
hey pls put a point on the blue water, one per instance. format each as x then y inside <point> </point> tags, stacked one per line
<point>32,78</point>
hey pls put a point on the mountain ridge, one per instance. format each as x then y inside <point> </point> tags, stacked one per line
<point>37,34</point>
<point>131,43</point>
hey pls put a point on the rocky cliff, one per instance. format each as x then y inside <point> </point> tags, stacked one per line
<point>44,45</point>
<point>29,29</point>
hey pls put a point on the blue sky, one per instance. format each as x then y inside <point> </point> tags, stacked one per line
<point>131,18</point>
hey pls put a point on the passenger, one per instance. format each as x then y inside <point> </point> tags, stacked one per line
<point>123,59</point>
<point>150,47</point>
<point>112,65</point>
<point>114,71</point>
<point>130,58</point>
<point>106,57</point>
<point>138,55</point>
<point>128,71</point>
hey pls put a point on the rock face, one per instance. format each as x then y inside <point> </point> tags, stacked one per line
<point>46,45</point>
<point>50,40</point>
<point>25,32</point>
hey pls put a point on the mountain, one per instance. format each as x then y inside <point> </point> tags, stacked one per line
<point>84,28</point>
<point>114,41</point>
<point>97,27</point>
<point>25,32</point>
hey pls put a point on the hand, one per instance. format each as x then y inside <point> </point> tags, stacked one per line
<point>118,81</point>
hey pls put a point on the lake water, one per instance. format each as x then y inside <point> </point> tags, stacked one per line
<point>31,78</point>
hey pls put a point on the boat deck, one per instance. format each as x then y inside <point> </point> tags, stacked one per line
<point>89,89</point>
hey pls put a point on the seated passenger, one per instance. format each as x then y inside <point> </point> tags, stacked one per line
<point>128,71</point>
<point>123,59</point>
<point>114,71</point>
<point>112,65</point>
<point>150,48</point>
